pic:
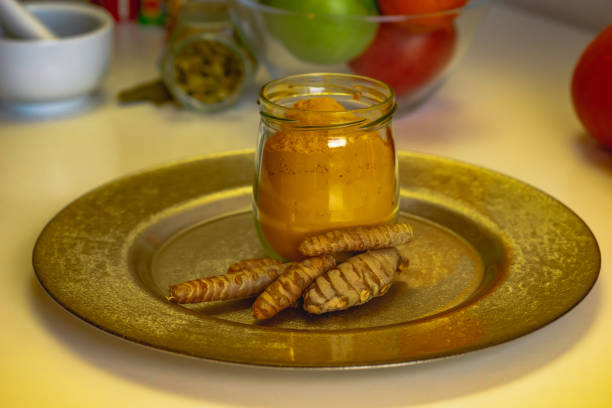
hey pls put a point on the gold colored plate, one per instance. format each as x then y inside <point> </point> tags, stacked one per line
<point>493,259</point>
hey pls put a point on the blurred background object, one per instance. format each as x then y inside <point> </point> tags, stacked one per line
<point>413,49</point>
<point>17,21</point>
<point>591,88</point>
<point>411,45</point>
<point>121,10</point>
<point>591,14</point>
<point>205,65</point>
<point>151,12</point>
<point>53,76</point>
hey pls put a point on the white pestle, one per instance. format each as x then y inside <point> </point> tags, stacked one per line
<point>16,21</point>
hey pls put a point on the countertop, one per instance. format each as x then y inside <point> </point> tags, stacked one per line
<point>506,107</point>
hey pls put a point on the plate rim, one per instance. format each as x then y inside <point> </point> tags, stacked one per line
<point>222,155</point>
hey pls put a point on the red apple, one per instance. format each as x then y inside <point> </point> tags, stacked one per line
<point>404,60</point>
<point>414,7</point>
<point>592,88</point>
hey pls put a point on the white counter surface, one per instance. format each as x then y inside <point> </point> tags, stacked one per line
<point>507,107</point>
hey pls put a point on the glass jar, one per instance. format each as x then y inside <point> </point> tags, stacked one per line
<point>325,159</point>
<point>206,66</point>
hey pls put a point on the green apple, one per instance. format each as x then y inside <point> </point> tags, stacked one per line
<point>371,6</point>
<point>323,31</point>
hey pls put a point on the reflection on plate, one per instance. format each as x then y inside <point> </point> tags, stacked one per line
<point>494,259</point>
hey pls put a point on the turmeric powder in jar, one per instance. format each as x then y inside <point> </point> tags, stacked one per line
<point>325,159</point>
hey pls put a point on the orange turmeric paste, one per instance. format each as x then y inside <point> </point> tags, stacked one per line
<point>316,180</point>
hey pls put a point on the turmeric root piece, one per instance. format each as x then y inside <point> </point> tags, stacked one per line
<point>354,282</point>
<point>251,263</point>
<point>246,283</point>
<point>288,288</point>
<point>356,239</point>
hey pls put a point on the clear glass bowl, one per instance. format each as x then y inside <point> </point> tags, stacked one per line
<point>325,159</point>
<point>412,53</point>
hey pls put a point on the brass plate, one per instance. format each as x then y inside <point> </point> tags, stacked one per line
<point>494,259</point>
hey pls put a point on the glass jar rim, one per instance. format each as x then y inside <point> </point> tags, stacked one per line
<point>388,105</point>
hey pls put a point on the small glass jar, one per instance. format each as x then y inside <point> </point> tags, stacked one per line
<point>325,159</point>
<point>206,66</point>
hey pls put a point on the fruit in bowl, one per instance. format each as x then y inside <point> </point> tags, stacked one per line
<point>406,60</point>
<point>426,10</point>
<point>411,45</point>
<point>327,39</point>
